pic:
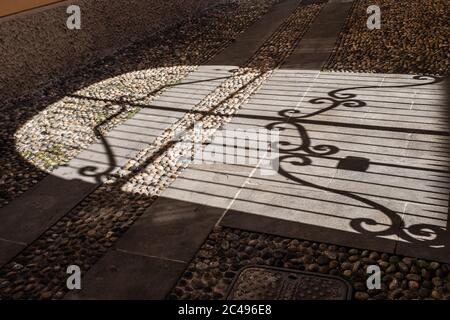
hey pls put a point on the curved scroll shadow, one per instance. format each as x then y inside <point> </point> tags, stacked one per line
<point>300,155</point>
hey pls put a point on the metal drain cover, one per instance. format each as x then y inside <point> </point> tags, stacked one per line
<point>266,283</point>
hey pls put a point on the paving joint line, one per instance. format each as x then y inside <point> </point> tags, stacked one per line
<point>150,256</point>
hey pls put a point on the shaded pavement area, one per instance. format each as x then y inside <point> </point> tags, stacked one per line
<point>363,161</point>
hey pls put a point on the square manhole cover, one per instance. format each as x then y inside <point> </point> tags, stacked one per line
<point>266,283</point>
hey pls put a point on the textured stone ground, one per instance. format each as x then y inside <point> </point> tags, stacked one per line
<point>70,123</point>
<point>47,129</point>
<point>409,42</point>
<point>226,251</point>
<point>87,232</point>
<point>413,39</point>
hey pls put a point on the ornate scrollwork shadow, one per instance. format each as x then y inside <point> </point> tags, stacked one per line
<point>301,154</point>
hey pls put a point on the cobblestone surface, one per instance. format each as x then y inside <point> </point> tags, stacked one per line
<point>413,38</point>
<point>226,251</point>
<point>47,129</point>
<point>89,230</point>
<point>57,123</point>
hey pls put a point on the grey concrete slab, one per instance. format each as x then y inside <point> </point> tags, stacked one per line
<point>390,187</point>
<point>35,211</point>
<point>293,75</point>
<point>331,118</point>
<point>424,251</point>
<point>250,41</point>
<point>318,43</point>
<point>429,146</point>
<point>86,170</point>
<point>318,206</point>
<point>399,123</point>
<point>306,61</point>
<point>120,275</point>
<point>9,250</point>
<point>410,119</point>
<point>335,11</point>
<point>326,29</point>
<point>361,79</point>
<point>129,133</point>
<point>386,179</point>
<point>319,172</point>
<point>282,91</point>
<point>425,232</point>
<point>171,229</point>
<point>213,185</point>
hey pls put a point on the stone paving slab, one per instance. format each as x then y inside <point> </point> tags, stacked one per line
<point>9,249</point>
<point>386,186</point>
<point>211,185</point>
<point>319,41</point>
<point>35,211</point>
<point>371,169</point>
<point>122,271</point>
<point>31,214</point>
<point>174,227</point>
<point>375,169</point>
<point>247,44</point>
<point>83,174</point>
<point>170,229</point>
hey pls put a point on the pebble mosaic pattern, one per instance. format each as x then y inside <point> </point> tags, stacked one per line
<point>226,251</point>
<point>47,129</point>
<point>413,38</point>
<point>89,230</point>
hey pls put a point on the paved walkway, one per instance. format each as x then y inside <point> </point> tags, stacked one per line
<point>364,158</point>
<point>158,248</point>
<point>26,218</point>
<point>31,214</point>
<point>364,162</point>
<point>162,242</point>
